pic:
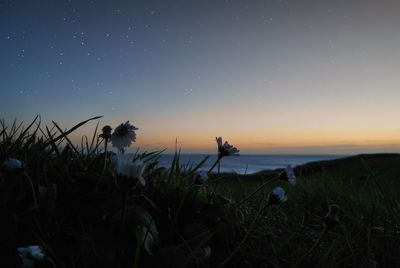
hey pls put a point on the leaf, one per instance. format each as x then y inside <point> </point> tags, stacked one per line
<point>201,194</point>
<point>199,165</point>
<point>94,136</point>
<point>147,230</point>
<point>73,129</point>
<point>24,132</point>
<point>52,143</point>
<point>147,157</point>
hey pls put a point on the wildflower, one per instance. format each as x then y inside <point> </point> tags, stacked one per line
<point>12,164</point>
<point>30,255</point>
<point>203,253</point>
<point>332,218</point>
<point>225,149</point>
<point>127,166</point>
<point>123,135</point>
<point>201,177</point>
<point>106,135</point>
<point>277,196</point>
<point>291,175</point>
<point>288,175</point>
<point>106,132</point>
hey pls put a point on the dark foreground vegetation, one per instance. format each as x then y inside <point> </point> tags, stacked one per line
<point>70,201</point>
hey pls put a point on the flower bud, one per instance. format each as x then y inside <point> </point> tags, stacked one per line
<point>277,196</point>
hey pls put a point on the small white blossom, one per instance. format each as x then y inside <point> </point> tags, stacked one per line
<point>127,166</point>
<point>12,164</point>
<point>201,177</point>
<point>225,149</point>
<point>203,253</point>
<point>291,177</point>
<point>277,196</point>
<point>123,135</point>
<point>29,255</point>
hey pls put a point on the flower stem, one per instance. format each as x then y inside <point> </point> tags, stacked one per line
<point>242,243</point>
<point>105,155</point>
<point>213,166</point>
<point>324,231</point>
<point>33,190</point>
<point>123,215</point>
<point>257,190</point>
<point>121,230</point>
<point>181,205</point>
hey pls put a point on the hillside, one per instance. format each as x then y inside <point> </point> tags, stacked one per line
<point>358,166</point>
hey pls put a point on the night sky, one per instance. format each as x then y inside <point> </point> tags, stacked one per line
<point>270,76</point>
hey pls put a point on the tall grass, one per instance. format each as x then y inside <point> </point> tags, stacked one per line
<point>86,216</point>
<point>69,199</point>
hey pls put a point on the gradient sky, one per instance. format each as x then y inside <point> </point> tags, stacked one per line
<point>270,76</point>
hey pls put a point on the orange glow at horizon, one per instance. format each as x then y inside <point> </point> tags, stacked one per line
<point>317,129</point>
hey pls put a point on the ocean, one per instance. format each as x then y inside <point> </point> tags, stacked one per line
<point>246,164</point>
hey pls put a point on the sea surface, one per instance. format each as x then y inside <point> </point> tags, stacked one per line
<point>246,164</point>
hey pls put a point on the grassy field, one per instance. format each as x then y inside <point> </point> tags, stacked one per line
<point>364,188</point>
<point>69,200</point>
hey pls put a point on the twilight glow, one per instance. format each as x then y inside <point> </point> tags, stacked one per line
<point>269,76</point>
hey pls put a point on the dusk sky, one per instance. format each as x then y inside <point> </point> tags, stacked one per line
<point>269,76</point>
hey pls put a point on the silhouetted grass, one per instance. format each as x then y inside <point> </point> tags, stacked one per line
<point>85,215</point>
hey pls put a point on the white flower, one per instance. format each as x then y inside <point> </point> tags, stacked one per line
<point>127,166</point>
<point>12,164</point>
<point>277,196</point>
<point>225,149</point>
<point>203,253</point>
<point>201,177</point>
<point>30,254</point>
<point>123,135</point>
<point>291,177</point>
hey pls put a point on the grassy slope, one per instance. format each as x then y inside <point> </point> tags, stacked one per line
<point>385,166</point>
<point>365,189</point>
